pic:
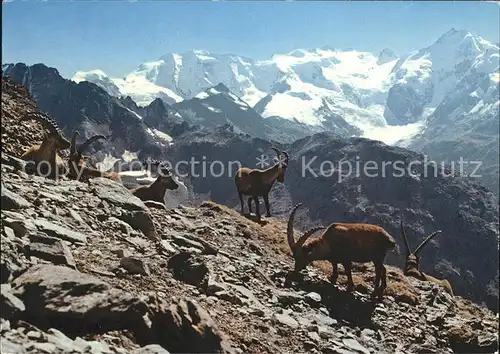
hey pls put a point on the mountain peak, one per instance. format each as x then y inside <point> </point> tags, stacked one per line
<point>200,51</point>
<point>458,45</point>
<point>221,88</point>
<point>128,99</point>
<point>453,35</point>
<point>36,70</point>
<point>298,53</point>
<point>159,105</point>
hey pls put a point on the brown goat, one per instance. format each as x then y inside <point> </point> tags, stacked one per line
<point>412,263</point>
<point>257,183</point>
<point>156,190</point>
<point>77,168</point>
<point>47,151</point>
<point>343,243</point>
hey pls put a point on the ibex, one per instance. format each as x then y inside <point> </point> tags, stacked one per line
<point>47,151</point>
<point>77,168</point>
<point>257,183</point>
<point>343,243</point>
<point>156,190</point>
<point>412,263</point>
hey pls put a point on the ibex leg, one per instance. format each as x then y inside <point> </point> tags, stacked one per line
<point>257,211</point>
<point>384,280</point>
<point>378,274</point>
<point>335,272</point>
<point>348,271</point>
<point>266,202</point>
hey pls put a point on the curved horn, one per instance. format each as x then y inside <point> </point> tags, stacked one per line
<point>405,239</point>
<point>150,163</point>
<point>277,151</point>
<point>306,235</point>
<point>289,230</point>
<point>286,155</point>
<point>425,241</point>
<point>72,148</point>
<point>88,142</point>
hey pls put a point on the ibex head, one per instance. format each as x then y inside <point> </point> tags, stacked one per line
<point>165,177</point>
<point>76,155</point>
<point>302,253</point>
<point>282,157</point>
<point>412,263</point>
<point>53,132</point>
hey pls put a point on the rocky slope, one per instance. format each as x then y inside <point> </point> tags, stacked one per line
<point>17,135</point>
<point>428,198</point>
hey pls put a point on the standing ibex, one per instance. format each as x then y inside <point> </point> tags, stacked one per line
<point>47,151</point>
<point>412,263</point>
<point>257,183</point>
<point>77,168</point>
<point>156,190</point>
<point>343,243</point>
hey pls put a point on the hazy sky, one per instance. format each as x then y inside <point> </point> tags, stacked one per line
<point>117,36</point>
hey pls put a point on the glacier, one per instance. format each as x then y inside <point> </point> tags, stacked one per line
<point>388,97</point>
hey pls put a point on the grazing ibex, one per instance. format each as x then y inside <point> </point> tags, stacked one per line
<point>343,243</point>
<point>257,183</point>
<point>77,168</point>
<point>47,151</point>
<point>412,263</point>
<point>156,190</point>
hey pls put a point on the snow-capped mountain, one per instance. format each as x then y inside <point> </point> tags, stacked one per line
<point>466,124</point>
<point>218,106</point>
<point>386,97</point>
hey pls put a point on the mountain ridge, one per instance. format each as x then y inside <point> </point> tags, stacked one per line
<point>298,83</point>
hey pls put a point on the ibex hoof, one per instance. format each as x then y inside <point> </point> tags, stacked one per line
<point>378,293</point>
